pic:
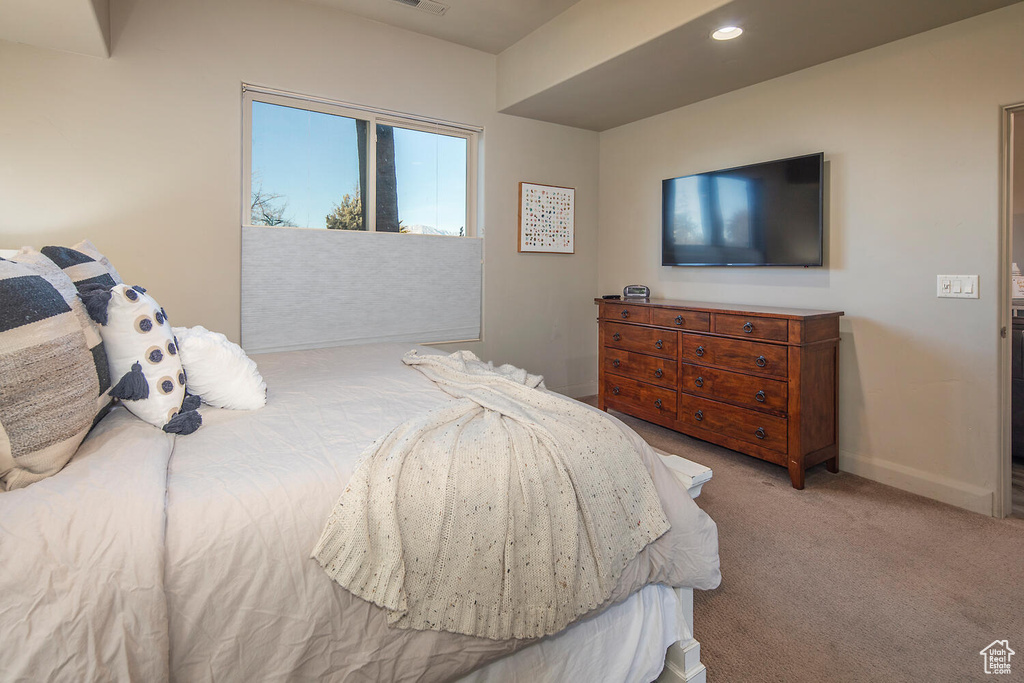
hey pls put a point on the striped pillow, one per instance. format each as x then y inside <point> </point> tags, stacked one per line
<point>52,273</point>
<point>83,268</point>
<point>48,382</point>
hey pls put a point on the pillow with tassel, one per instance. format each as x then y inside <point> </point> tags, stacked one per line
<point>143,356</point>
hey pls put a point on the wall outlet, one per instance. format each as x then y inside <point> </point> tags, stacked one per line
<point>957,286</point>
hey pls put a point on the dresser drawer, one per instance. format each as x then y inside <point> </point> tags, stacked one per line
<point>634,314</point>
<point>698,321</point>
<point>755,392</point>
<point>755,328</point>
<point>643,339</point>
<point>638,366</point>
<point>735,354</point>
<point>639,398</point>
<point>749,426</point>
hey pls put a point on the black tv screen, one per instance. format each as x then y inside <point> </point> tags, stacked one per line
<point>767,214</point>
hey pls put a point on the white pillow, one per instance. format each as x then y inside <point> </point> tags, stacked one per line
<point>219,371</point>
<point>143,357</point>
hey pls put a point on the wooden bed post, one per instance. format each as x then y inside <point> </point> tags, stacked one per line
<point>682,660</point>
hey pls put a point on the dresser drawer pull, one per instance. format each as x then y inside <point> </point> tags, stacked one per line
<point>616,336</point>
<point>759,397</point>
<point>679,320</point>
<point>699,381</point>
<point>761,361</point>
<point>616,390</point>
<point>658,373</point>
<point>625,313</point>
<point>658,344</point>
<point>748,327</point>
<point>759,433</point>
<point>657,404</point>
<point>699,351</point>
<point>616,363</point>
<point>699,415</point>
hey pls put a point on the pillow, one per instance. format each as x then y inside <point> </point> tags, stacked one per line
<point>83,269</point>
<point>90,250</point>
<point>143,356</point>
<point>48,382</point>
<point>51,272</point>
<point>219,370</point>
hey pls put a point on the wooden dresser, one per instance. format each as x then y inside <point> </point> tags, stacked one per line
<point>759,380</point>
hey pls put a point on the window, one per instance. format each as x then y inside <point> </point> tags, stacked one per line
<point>354,178</point>
<point>311,163</point>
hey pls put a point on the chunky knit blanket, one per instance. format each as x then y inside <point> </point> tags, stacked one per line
<point>507,513</point>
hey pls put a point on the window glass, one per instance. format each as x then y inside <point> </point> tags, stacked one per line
<point>307,168</point>
<point>421,181</point>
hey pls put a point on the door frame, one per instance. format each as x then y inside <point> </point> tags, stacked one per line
<point>1003,504</point>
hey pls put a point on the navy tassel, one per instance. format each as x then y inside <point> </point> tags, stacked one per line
<point>95,297</point>
<point>133,386</point>
<point>184,423</point>
<point>191,402</point>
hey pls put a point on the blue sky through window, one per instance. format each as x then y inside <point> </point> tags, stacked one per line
<point>310,160</point>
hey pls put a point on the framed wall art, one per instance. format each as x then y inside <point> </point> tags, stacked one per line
<point>547,217</point>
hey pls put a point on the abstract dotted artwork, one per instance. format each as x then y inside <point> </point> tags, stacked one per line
<point>546,218</point>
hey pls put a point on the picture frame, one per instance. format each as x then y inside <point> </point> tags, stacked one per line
<point>547,219</point>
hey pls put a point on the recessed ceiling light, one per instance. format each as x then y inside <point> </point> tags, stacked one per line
<point>727,33</point>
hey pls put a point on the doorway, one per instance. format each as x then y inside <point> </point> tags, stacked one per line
<point>1010,498</point>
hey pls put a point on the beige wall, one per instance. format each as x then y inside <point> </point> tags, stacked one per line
<point>142,153</point>
<point>910,133</point>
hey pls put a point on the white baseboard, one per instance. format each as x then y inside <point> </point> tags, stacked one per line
<point>936,487</point>
<point>577,390</point>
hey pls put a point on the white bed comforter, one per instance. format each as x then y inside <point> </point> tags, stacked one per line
<point>100,580</point>
<point>82,563</point>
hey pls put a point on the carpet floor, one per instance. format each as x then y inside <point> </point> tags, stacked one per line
<point>848,580</point>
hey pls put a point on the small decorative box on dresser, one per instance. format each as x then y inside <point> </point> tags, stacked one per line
<point>759,380</point>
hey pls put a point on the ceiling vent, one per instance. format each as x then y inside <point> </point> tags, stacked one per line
<point>429,6</point>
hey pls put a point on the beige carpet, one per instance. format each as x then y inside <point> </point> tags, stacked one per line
<point>848,580</point>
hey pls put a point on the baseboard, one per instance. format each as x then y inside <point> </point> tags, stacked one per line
<point>577,390</point>
<point>936,487</point>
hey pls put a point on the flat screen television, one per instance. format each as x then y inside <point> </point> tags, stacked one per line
<point>767,214</point>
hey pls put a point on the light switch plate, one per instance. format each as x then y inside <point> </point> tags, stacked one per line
<point>956,286</point>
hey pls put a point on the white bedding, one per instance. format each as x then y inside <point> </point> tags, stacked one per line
<point>91,588</point>
<point>82,560</point>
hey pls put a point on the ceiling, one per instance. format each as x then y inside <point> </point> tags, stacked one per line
<point>80,26</point>
<point>684,65</point>
<point>488,25</point>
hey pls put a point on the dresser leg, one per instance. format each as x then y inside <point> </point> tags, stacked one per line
<point>796,473</point>
<point>832,464</point>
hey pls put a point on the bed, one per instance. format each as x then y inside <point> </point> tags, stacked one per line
<point>153,557</point>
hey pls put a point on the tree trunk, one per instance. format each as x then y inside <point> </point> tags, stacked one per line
<point>387,182</point>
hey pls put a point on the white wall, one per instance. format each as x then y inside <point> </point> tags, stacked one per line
<point>142,153</point>
<point>910,132</point>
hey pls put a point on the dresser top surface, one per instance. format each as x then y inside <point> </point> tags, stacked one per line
<point>773,311</point>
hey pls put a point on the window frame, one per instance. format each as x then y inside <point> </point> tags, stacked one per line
<point>372,116</point>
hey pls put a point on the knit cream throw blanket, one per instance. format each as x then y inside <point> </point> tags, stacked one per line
<point>506,513</point>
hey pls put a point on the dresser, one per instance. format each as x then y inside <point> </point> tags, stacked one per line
<point>759,380</point>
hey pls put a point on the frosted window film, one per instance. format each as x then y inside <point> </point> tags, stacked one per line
<point>314,288</point>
